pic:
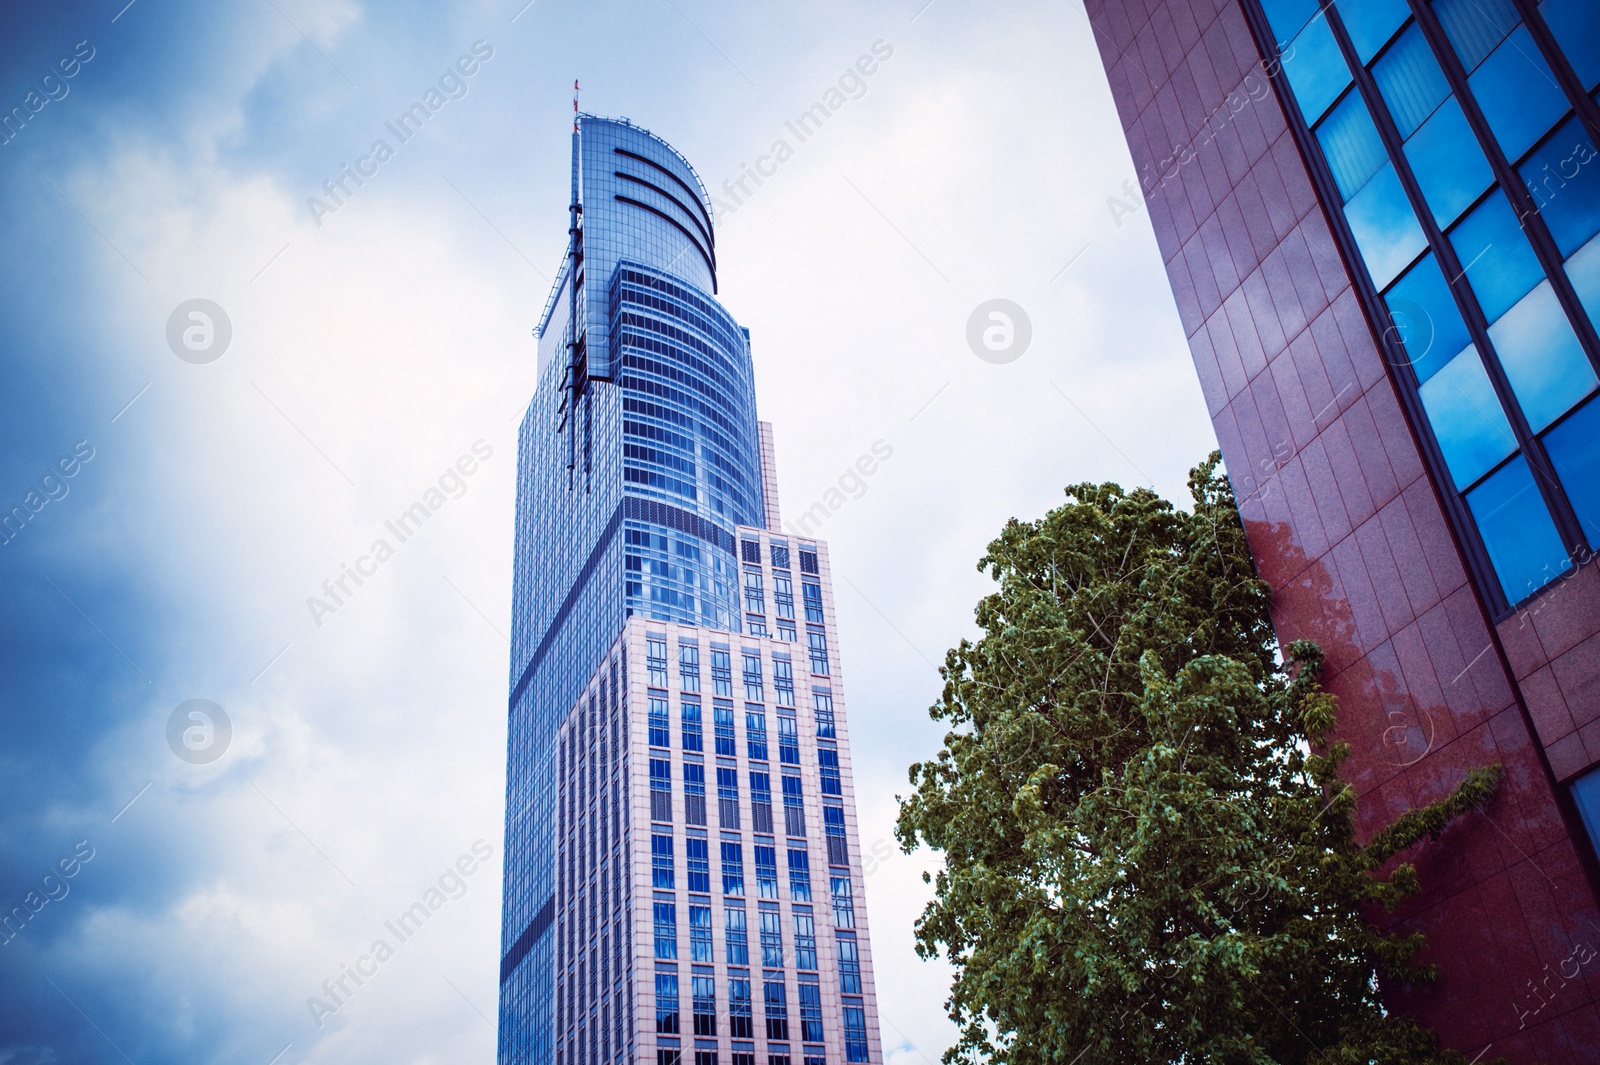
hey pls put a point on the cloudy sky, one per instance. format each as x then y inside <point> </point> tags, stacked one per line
<point>372,344</point>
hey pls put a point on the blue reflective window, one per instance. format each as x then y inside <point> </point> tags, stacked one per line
<point>1448,164</point>
<point>1563,177</point>
<point>1476,26</point>
<point>1576,26</point>
<point>1466,417</point>
<point>1517,531</point>
<point>1583,270</point>
<point>1542,358</point>
<point>1410,81</point>
<point>1351,144</point>
<point>1384,226</point>
<point>1518,94</point>
<point>1316,69</point>
<point>1496,255</point>
<point>1427,318</point>
<point>1574,449</point>
<point>1371,23</point>
<point>1287,16</point>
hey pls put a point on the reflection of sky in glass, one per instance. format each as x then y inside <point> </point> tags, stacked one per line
<point>1385,229</point>
<point>1576,25</point>
<point>1517,531</point>
<point>1583,270</point>
<point>1370,23</point>
<point>1574,449</point>
<point>1448,163</point>
<point>1351,145</point>
<point>1563,177</point>
<point>1466,417</point>
<point>1496,256</point>
<point>1542,357</point>
<point>1430,323</point>
<point>1316,69</point>
<point>1518,94</point>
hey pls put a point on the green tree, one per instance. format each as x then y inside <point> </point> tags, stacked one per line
<point>1148,853</point>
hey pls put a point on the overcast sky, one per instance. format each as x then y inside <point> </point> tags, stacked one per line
<point>376,342</point>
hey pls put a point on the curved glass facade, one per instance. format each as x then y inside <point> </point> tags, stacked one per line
<point>639,457</point>
<point>1459,135</point>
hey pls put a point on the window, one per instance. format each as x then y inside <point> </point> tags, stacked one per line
<point>849,966</point>
<point>771,939</point>
<point>738,940</point>
<point>732,869</point>
<point>666,927</point>
<point>1371,23</point>
<point>808,561</point>
<point>1518,94</point>
<point>691,727</point>
<point>811,1013</point>
<point>694,793</point>
<point>783,594</point>
<point>766,872</point>
<point>822,710</point>
<point>755,624</point>
<point>761,802</point>
<point>697,864</point>
<point>700,934</point>
<point>812,593</point>
<point>750,551</point>
<point>780,556</point>
<point>805,947</point>
<point>783,681</point>
<point>794,814</point>
<point>828,759</point>
<point>727,797</point>
<point>661,874</point>
<point>1315,69</point>
<point>777,1009</point>
<point>1574,449</point>
<point>1542,358</point>
<point>788,740</point>
<point>655,657</point>
<point>660,789</point>
<point>833,825</point>
<point>667,1003</point>
<point>665,1055</point>
<point>1517,530</point>
<point>755,733</point>
<point>740,1024</point>
<point>1576,26</point>
<point>754,598</point>
<point>786,631</point>
<point>855,1032</point>
<point>817,644</point>
<point>722,718</point>
<point>705,1007</point>
<point>752,677</point>
<point>689,666</point>
<point>1565,185</point>
<point>706,1057</point>
<point>659,736</point>
<point>799,875</point>
<point>721,673</point>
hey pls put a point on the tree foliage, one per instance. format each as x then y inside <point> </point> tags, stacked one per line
<point>1148,853</point>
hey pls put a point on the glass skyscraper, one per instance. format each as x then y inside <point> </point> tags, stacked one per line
<point>683,880</point>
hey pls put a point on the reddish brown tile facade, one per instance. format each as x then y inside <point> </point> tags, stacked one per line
<point>1346,524</point>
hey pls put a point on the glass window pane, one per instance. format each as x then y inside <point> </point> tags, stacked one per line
<point>1385,229</point>
<point>1583,270</point>
<point>1476,26</point>
<point>1574,449</point>
<point>1371,23</point>
<point>1351,144</point>
<point>1576,26</point>
<point>1426,315</point>
<point>1542,358</point>
<point>1564,180</point>
<point>1316,69</point>
<point>1495,253</point>
<point>1287,16</point>
<point>1516,528</point>
<point>1466,417</point>
<point>1448,163</point>
<point>1410,81</point>
<point>1519,95</point>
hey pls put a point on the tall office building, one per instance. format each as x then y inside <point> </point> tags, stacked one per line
<point>683,881</point>
<point>1380,218</point>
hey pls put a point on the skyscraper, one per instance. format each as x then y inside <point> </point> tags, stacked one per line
<point>683,880</point>
<point>1380,220</point>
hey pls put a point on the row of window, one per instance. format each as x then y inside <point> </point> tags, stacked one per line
<point>750,551</point>
<point>722,667</point>
<point>794,822</point>
<point>1472,190</point>
<point>741,1015</point>
<point>658,719</point>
